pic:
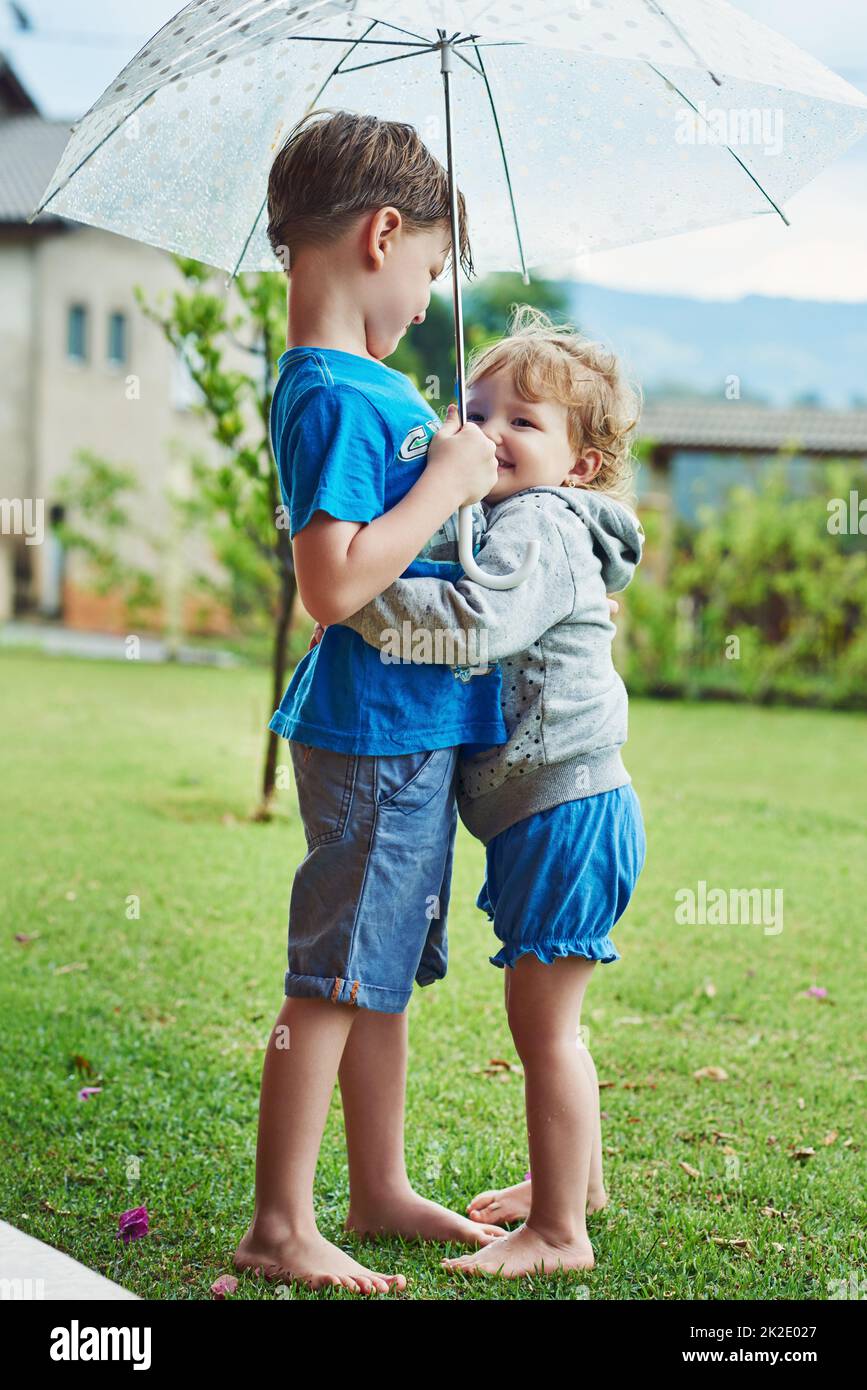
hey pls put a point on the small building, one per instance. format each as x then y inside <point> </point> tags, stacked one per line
<point>699,449</point>
<point>80,368</point>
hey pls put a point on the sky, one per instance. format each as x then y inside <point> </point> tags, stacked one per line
<point>820,256</point>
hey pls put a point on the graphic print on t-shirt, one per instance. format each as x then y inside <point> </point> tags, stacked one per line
<point>417,440</point>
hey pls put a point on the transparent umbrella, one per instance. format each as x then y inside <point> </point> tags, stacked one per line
<point>570,128</point>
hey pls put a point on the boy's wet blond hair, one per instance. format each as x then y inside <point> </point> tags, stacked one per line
<point>335,165</point>
<point>549,361</point>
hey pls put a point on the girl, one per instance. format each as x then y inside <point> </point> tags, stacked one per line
<point>554,805</point>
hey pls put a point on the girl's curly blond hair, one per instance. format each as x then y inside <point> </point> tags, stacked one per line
<point>551,361</point>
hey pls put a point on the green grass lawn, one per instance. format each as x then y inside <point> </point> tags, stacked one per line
<point>126,781</point>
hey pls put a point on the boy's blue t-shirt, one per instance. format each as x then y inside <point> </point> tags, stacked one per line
<point>350,436</point>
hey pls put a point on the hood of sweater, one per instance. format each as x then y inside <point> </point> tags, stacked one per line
<point>617,534</point>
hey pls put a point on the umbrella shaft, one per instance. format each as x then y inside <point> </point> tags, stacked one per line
<point>446,56</point>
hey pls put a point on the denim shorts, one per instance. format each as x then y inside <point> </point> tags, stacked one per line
<point>369,903</point>
<point>558,881</point>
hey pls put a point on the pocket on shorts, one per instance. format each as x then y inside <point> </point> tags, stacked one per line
<point>324,781</point>
<point>409,781</point>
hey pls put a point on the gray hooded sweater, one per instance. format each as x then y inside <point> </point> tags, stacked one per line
<point>564,705</point>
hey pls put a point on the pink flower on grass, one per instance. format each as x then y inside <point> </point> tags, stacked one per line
<point>133,1224</point>
<point>816,992</point>
<point>227,1283</point>
<point>87,1091</point>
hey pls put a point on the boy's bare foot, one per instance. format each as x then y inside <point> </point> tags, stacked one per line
<point>513,1203</point>
<point>411,1216</point>
<point>310,1260</point>
<point>525,1251</point>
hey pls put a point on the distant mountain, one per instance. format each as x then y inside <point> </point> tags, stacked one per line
<point>783,350</point>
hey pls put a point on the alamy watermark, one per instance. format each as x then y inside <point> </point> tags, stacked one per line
<point>439,646</point>
<point>721,907</point>
<point>847,516</point>
<point>717,125</point>
<point>23,516</point>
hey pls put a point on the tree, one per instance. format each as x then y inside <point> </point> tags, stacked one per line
<point>103,495</point>
<point>203,324</point>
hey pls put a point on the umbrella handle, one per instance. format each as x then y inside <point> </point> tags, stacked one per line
<point>480,576</point>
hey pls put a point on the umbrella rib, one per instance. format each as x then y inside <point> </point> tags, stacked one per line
<point>398,58</point>
<point>657,9</point>
<point>465,59</point>
<point>524,274</point>
<point>764,192</point>
<point>89,155</point>
<point>390,43</point>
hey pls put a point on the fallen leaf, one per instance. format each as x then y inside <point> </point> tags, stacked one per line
<point>803,1153</point>
<point>74,965</point>
<point>738,1243</point>
<point>688,1168</point>
<point>22,937</point>
<point>711,1074</point>
<point>829,1138</point>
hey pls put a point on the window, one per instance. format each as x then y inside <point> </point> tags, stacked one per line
<point>76,333</point>
<point>117,346</point>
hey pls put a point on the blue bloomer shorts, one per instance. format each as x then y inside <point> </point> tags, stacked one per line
<point>369,903</point>
<point>557,881</point>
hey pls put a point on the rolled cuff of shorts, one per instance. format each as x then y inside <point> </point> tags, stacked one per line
<point>363,996</point>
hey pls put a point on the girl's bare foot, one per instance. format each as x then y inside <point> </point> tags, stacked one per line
<point>513,1203</point>
<point>525,1251</point>
<point>413,1217</point>
<point>310,1260</point>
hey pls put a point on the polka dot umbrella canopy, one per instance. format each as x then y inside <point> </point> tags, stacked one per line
<point>572,127</point>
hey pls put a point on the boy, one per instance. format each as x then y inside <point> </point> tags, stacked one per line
<point>358,215</point>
